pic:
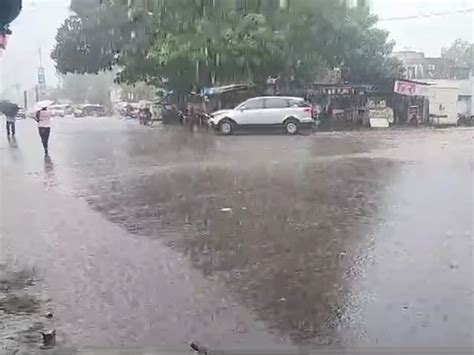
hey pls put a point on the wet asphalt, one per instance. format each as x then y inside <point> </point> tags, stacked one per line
<point>156,237</point>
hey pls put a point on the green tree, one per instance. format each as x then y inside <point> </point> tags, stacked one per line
<point>88,88</point>
<point>460,52</point>
<point>138,91</point>
<point>185,44</point>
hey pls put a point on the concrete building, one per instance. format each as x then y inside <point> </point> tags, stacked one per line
<point>451,87</point>
<point>419,67</point>
<point>461,90</point>
<point>413,63</point>
<point>367,4</point>
<point>443,101</point>
<point>465,98</point>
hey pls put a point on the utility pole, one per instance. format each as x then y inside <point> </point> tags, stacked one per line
<point>41,87</point>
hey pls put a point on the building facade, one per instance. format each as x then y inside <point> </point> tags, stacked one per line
<point>463,90</point>
<point>419,67</point>
<point>452,87</point>
<point>365,4</point>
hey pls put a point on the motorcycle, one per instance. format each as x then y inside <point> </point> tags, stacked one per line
<point>145,117</point>
<point>194,119</point>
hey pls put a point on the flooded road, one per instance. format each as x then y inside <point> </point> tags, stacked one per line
<point>159,237</point>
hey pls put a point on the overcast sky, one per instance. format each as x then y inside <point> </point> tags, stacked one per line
<point>37,24</point>
<point>426,34</point>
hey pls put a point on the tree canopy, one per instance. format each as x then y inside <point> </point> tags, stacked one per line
<point>460,52</point>
<point>90,88</point>
<point>185,44</point>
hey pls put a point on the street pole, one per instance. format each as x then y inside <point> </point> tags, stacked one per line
<point>41,87</point>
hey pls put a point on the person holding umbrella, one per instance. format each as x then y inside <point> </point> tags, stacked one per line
<point>10,110</point>
<point>43,117</point>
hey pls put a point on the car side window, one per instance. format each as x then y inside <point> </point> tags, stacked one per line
<point>276,103</point>
<point>299,103</point>
<point>253,104</point>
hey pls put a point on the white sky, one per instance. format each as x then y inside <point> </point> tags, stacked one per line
<point>37,24</point>
<point>35,28</point>
<point>426,34</point>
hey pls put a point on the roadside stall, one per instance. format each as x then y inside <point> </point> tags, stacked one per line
<point>225,97</point>
<point>411,102</point>
<point>210,99</point>
<point>339,105</point>
<point>379,114</point>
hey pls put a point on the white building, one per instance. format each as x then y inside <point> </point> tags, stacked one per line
<point>451,98</point>
<point>443,105</point>
<point>359,3</point>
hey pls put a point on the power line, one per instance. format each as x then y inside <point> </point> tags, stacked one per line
<point>427,15</point>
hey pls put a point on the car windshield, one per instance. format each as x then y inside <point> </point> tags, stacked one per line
<point>256,176</point>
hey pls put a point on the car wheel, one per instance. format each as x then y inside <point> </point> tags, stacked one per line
<point>226,127</point>
<point>291,127</point>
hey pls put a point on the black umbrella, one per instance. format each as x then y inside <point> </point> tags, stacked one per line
<point>9,109</point>
<point>9,10</point>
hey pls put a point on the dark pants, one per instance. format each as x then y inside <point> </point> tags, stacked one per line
<point>44,134</point>
<point>11,128</point>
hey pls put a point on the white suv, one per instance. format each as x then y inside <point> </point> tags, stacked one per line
<point>290,113</point>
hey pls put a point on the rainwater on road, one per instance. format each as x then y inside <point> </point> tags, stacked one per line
<point>156,237</point>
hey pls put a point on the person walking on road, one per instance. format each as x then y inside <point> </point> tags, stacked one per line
<point>43,117</point>
<point>11,125</point>
<point>10,110</point>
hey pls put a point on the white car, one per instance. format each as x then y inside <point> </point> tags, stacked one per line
<point>290,113</point>
<point>59,110</point>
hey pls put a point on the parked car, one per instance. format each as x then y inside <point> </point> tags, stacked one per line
<point>60,110</point>
<point>77,110</point>
<point>127,110</point>
<point>94,110</point>
<point>291,113</point>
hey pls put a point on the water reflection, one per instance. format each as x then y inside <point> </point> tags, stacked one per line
<point>291,225</point>
<point>292,241</point>
<point>16,153</point>
<point>283,223</point>
<point>12,142</point>
<point>49,173</point>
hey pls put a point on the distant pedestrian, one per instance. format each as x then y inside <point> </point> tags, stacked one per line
<point>10,110</point>
<point>43,117</point>
<point>11,125</point>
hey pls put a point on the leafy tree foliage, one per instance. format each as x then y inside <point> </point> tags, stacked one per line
<point>185,44</point>
<point>460,52</point>
<point>89,88</point>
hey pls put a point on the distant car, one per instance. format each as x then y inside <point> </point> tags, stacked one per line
<point>94,110</point>
<point>291,113</point>
<point>77,111</point>
<point>59,110</point>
